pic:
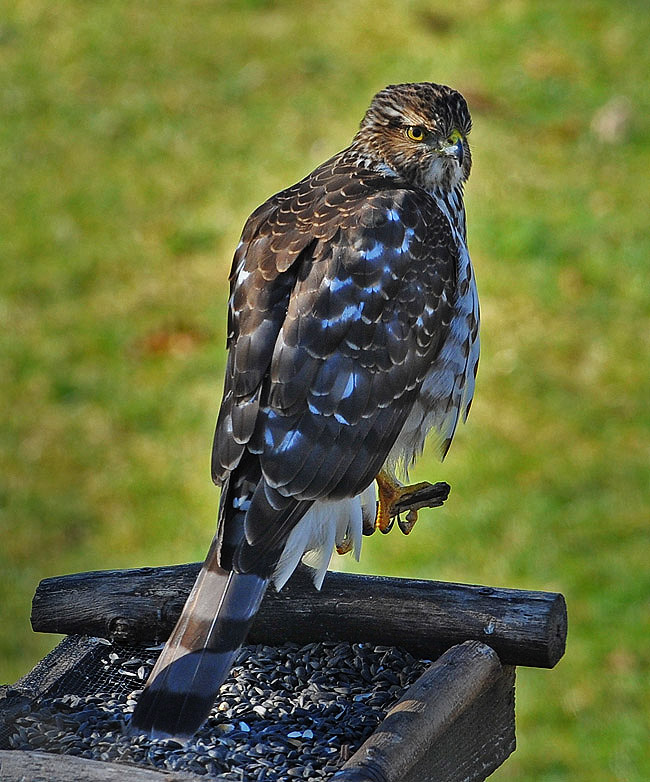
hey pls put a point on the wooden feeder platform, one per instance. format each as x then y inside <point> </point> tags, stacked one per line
<point>455,723</point>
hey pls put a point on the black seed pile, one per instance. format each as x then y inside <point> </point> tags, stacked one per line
<point>286,713</point>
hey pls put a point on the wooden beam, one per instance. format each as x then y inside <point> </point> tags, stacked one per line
<point>55,667</point>
<point>455,723</point>
<point>425,617</point>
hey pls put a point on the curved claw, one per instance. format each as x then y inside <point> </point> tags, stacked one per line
<point>387,527</point>
<point>407,524</point>
<point>345,546</point>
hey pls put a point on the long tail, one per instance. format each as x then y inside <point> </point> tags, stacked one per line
<point>196,659</point>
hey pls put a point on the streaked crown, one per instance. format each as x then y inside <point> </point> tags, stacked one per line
<point>419,131</point>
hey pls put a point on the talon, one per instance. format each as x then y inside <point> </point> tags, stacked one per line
<point>344,547</point>
<point>388,526</point>
<point>407,524</point>
<point>392,495</point>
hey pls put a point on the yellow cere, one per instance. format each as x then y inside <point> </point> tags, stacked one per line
<point>454,136</point>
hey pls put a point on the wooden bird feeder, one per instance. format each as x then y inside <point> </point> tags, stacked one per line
<point>455,723</point>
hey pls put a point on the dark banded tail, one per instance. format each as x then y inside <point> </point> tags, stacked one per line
<point>196,660</point>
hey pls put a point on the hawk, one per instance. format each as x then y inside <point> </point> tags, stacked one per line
<point>353,325</point>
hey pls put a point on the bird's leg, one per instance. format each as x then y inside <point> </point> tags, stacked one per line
<point>395,498</point>
<point>391,492</point>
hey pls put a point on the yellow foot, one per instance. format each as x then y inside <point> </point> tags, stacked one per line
<point>390,494</point>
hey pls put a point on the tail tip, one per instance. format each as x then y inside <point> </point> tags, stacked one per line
<point>174,718</point>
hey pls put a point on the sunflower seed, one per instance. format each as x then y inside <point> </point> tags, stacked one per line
<point>285,713</point>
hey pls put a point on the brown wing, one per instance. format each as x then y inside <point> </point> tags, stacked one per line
<point>334,323</point>
<point>275,243</point>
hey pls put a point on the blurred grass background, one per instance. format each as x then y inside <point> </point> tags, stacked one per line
<point>135,139</point>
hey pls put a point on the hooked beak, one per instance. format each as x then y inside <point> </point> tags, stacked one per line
<point>455,150</point>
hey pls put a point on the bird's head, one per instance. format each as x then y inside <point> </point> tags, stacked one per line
<point>419,131</point>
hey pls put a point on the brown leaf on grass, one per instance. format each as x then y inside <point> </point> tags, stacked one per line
<point>436,22</point>
<point>179,341</point>
<point>621,660</point>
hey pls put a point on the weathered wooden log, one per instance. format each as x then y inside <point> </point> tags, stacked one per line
<point>456,722</point>
<point>425,617</point>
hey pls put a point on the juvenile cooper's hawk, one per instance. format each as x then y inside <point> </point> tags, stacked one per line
<point>353,333</point>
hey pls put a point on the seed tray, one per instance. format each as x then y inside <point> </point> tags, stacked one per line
<point>341,711</point>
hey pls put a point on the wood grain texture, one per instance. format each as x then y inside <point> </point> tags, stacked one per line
<point>425,617</point>
<point>455,723</point>
<point>21,766</point>
<point>55,667</point>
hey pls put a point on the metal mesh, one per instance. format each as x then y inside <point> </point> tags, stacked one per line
<point>77,666</point>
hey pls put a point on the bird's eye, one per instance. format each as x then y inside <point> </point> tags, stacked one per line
<point>415,132</point>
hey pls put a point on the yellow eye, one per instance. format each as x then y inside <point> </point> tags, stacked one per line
<point>415,132</point>
<point>454,137</point>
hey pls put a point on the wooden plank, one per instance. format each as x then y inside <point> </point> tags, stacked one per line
<point>46,675</point>
<point>31,766</point>
<point>455,724</point>
<point>49,677</point>
<point>425,617</point>
<point>477,743</point>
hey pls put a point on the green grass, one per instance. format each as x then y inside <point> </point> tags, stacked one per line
<point>136,138</point>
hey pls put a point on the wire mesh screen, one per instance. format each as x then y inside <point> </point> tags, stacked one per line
<point>78,666</point>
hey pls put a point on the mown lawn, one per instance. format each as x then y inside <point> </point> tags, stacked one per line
<point>135,138</point>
